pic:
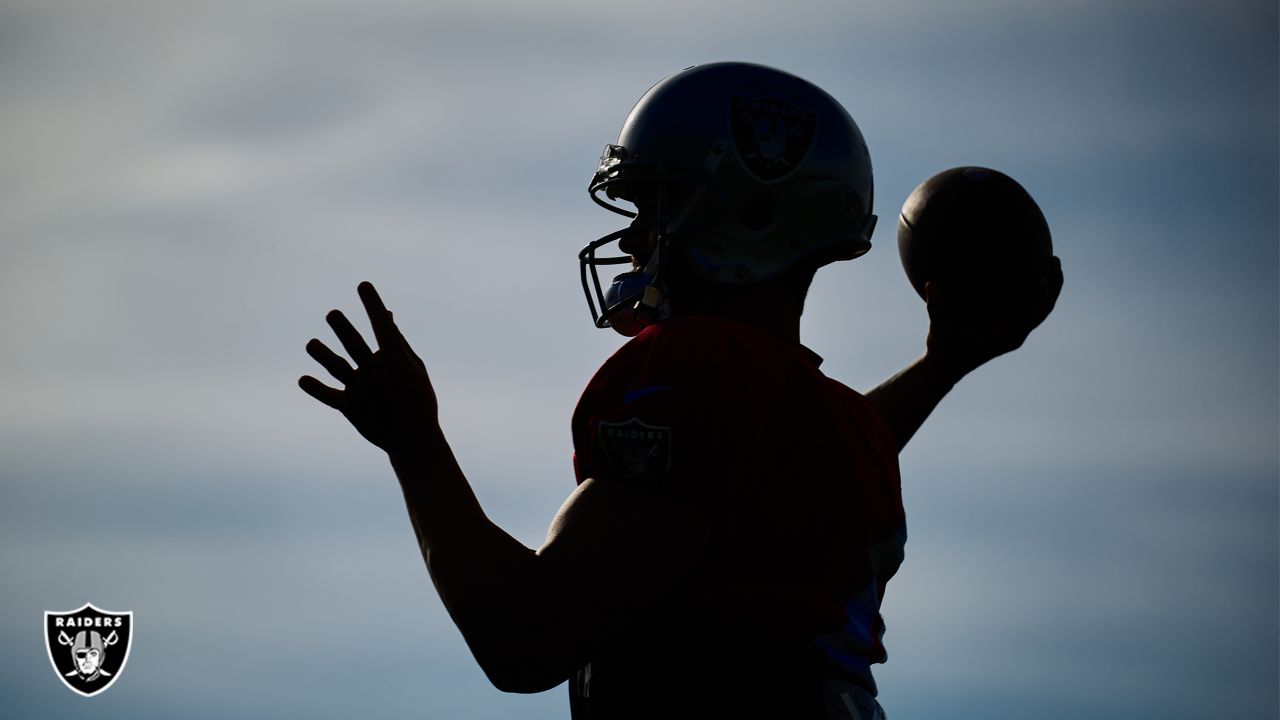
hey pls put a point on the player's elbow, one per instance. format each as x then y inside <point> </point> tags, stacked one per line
<point>528,646</point>
<point>527,685</point>
<point>523,675</point>
<point>519,659</point>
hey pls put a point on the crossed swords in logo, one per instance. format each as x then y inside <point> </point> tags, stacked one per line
<point>107,642</point>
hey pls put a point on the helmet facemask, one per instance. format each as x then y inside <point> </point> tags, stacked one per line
<point>637,298</point>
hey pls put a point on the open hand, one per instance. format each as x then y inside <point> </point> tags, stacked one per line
<point>387,395</point>
<point>969,326</point>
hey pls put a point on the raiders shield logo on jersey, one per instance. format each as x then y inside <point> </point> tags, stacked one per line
<point>635,450</point>
<point>88,647</point>
<point>772,136</point>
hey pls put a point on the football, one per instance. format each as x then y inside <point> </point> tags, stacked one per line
<point>974,227</point>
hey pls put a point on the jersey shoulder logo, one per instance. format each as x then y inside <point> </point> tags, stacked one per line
<point>88,647</point>
<point>636,451</point>
<point>772,137</point>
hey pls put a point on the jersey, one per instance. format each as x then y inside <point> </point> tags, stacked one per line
<point>796,477</point>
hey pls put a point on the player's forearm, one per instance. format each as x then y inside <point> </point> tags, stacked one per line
<point>487,580</point>
<point>907,399</point>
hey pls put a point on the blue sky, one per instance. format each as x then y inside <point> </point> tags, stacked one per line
<point>186,189</point>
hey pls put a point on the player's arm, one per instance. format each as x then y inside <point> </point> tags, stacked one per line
<point>961,339</point>
<point>530,618</point>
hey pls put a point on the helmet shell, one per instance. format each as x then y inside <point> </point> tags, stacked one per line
<point>769,169</point>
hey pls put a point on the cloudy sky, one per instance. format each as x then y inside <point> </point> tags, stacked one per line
<point>186,189</point>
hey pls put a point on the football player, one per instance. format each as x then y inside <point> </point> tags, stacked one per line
<point>737,514</point>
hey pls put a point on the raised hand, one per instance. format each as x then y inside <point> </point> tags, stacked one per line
<point>970,326</point>
<point>387,394</point>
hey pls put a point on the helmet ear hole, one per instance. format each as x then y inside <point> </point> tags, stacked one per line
<point>758,213</point>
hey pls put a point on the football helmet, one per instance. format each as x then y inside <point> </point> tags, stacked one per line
<point>759,171</point>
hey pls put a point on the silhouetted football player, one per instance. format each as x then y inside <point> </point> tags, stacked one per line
<point>738,514</point>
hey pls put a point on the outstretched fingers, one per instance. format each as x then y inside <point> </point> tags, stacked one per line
<point>355,345</point>
<point>337,366</point>
<point>318,390</point>
<point>384,327</point>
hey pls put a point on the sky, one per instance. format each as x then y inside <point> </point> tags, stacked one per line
<point>187,188</point>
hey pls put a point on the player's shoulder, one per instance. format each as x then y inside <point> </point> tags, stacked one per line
<point>865,413</point>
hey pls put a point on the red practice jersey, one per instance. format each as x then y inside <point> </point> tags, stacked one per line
<point>796,478</point>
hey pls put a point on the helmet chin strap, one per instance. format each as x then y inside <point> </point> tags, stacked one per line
<point>635,299</point>
<point>653,305</point>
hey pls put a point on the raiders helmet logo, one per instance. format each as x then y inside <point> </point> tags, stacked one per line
<point>636,451</point>
<point>772,137</point>
<point>88,647</point>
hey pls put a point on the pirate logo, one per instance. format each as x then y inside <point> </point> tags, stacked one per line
<point>88,647</point>
<point>772,136</point>
<point>636,451</point>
